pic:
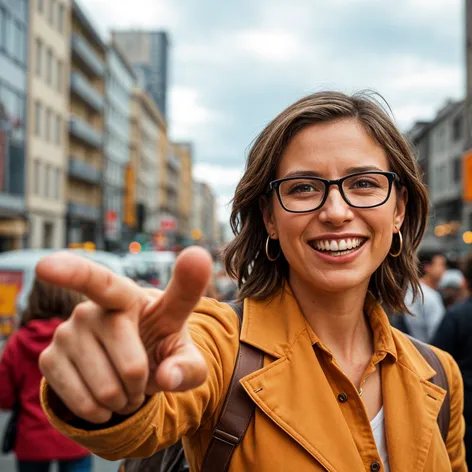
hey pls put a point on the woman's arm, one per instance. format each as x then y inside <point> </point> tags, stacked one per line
<point>166,417</point>
<point>455,439</point>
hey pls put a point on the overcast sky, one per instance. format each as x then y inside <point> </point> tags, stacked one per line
<point>235,65</point>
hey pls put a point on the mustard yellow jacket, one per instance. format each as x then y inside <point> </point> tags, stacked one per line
<point>299,424</point>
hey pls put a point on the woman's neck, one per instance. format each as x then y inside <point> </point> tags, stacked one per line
<point>337,319</point>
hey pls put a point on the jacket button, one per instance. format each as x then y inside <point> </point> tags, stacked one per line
<point>375,467</point>
<point>342,397</point>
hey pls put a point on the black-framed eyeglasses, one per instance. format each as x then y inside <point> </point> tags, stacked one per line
<point>360,190</point>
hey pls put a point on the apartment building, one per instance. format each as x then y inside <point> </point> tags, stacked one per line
<point>13,123</point>
<point>86,132</point>
<point>48,110</point>
<point>184,152</point>
<point>119,86</point>
<point>146,122</point>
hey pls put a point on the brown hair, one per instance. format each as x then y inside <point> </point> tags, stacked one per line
<point>48,301</point>
<point>245,257</point>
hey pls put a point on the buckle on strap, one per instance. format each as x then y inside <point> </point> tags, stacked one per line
<point>226,437</point>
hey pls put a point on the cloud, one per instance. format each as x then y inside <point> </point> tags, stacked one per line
<point>235,66</point>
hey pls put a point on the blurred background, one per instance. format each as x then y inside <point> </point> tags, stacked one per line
<point>124,126</point>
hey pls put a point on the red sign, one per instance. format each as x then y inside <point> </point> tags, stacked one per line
<point>169,224</point>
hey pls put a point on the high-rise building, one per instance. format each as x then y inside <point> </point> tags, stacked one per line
<point>147,51</point>
<point>203,219</point>
<point>184,152</point>
<point>145,143</point>
<point>48,112</point>
<point>13,122</point>
<point>86,132</point>
<point>119,87</point>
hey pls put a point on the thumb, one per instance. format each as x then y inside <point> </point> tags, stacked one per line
<point>184,370</point>
<point>192,273</point>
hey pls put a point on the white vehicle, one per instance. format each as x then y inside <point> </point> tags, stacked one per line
<point>155,265</point>
<point>17,272</point>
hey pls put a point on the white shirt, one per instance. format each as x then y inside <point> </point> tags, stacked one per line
<point>427,315</point>
<point>378,428</point>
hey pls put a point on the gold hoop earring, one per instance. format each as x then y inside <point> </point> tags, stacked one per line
<point>271,259</point>
<point>400,237</point>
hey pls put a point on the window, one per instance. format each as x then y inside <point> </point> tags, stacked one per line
<point>61,18</point>
<point>9,24</point>
<point>58,184</point>
<point>49,67</point>
<point>58,129</point>
<point>457,128</point>
<point>37,177</point>
<point>52,7</point>
<point>59,76</point>
<point>48,124</point>
<point>40,5</point>
<point>457,169</point>
<point>39,57</point>
<point>20,43</point>
<point>2,27</point>
<point>37,118</point>
<point>48,231</point>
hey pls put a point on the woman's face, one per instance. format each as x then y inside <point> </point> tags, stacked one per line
<point>336,247</point>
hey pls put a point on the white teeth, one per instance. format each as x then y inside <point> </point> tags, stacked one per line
<point>338,245</point>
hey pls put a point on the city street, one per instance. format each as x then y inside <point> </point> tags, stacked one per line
<point>7,463</point>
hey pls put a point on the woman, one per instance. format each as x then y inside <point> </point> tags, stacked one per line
<point>37,442</point>
<point>328,216</point>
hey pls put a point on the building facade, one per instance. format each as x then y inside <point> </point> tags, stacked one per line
<point>439,146</point>
<point>86,132</point>
<point>203,219</point>
<point>145,144</point>
<point>48,112</point>
<point>184,152</point>
<point>119,86</point>
<point>147,51</point>
<point>13,122</point>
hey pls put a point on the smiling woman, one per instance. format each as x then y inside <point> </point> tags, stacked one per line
<point>327,219</point>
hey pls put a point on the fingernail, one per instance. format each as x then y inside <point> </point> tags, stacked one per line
<point>176,377</point>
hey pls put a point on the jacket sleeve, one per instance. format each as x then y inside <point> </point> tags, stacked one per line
<point>455,439</point>
<point>166,417</point>
<point>7,377</point>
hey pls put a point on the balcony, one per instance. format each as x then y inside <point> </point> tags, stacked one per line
<point>83,212</point>
<point>86,54</point>
<point>82,171</point>
<point>11,205</point>
<point>80,129</point>
<point>82,88</point>
<point>173,162</point>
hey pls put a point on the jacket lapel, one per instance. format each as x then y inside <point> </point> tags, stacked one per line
<point>293,390</point>
<point>411,405</point>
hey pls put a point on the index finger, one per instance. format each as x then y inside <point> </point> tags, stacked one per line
<point>96,282</point>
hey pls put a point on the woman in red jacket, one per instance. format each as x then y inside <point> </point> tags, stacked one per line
<point>37,442</point>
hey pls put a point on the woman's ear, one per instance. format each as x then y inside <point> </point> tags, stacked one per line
<point>400,209</point>
<point>265,205</point>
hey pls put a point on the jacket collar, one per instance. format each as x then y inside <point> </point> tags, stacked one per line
<point>273,326</point>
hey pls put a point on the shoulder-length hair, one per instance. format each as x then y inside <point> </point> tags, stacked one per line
<point>245,257</point>
<point>48,301</point>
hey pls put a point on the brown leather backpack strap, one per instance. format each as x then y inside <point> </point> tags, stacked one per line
<point>238,408</point>
<point>440,379</point>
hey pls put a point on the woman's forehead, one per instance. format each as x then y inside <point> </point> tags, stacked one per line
<point>334,147</point>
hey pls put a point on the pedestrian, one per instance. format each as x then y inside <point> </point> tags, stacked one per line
<point>452,287</point>
<point>37,443</point>
<point>327,218</point>
<point>428,310</point>
<point>455,336</point>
